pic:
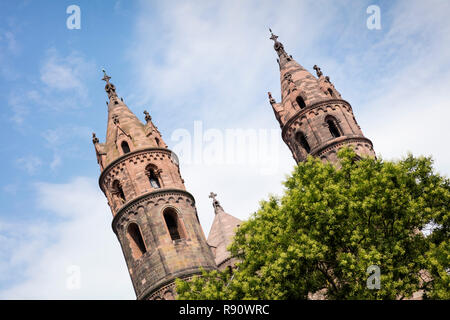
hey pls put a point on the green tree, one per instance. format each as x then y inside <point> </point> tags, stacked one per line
<point>331,224</point>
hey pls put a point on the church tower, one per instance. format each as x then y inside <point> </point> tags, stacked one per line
<point>154,217</point>
<point>313,117</point>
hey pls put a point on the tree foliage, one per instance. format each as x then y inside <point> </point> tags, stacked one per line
<point>331,224</point>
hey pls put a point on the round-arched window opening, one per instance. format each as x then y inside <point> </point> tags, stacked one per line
<point>153,177</point>
<point>173,224</point>
<point>301,102</point>
<point>301,139</point>
<point>331,92</point>
<point>118,191</point>
<point>332,126</point>
<point>136,241</point>
<point>125,147</point>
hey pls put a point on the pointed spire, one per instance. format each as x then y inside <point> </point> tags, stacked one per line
<point>222,232</point>
<point>279,48</point>
<point>124,126</point>
<point>299,88</point>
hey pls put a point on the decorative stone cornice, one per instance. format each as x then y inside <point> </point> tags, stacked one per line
<point>132,154</point>
<point>316,105</point>
<point>220,264</point>
<point>167,283</point>
<point>337,143</point>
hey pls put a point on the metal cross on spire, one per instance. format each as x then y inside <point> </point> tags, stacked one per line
<point>105,76</point>
<point>213,196</point>
<point>216,204</point>
<point>273,36</point>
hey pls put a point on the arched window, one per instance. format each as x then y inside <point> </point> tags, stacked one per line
<point>173,224</point>
<point>118,191</point>
<point>300,137</point>
<point>136,241</point>
<point>152,177</point>
<point>333,127</point>
<point>301,102</point>
<point>157,142</point>
<point>125,147</point>
<point>330,92</point>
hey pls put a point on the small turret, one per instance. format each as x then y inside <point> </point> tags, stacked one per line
<point>221,234</point>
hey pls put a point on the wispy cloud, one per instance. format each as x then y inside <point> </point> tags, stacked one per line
<point>9,39</point>
<point>39,257</point>
<point>409,105</point>
<point>9,48</point>
<point>62,141</point>
<point>63,81</point>
<point>213,61</point>
<point>64,73</point>
<point>29,163</point>
<point>60,87</point>
<point>19,108</point>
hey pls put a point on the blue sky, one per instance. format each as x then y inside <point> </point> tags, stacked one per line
<point>207,62</point>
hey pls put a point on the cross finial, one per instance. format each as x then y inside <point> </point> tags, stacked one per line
<point>105,76</point>
<point>213,196</point>
<point>273,36</point>
<point>216,203</point>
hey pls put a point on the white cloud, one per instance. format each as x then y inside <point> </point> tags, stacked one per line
<point>9,49</point>
<point>409,111</point>
<point>78,233</point>
<point>56,162</point>
<point>64,73</point>
<point>29,163</point>
<point>9,39</point>
<point>61,87</point>
<point>213,60</point>
<point>19,108</point>
<point>217,53</point>
<point>62,141</point>
<point>11,188</point>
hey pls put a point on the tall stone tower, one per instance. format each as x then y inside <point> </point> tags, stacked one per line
<point>313,117</point>
<point>154,217</point>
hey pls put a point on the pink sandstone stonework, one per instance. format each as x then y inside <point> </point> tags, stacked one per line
<point>154,216</point>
